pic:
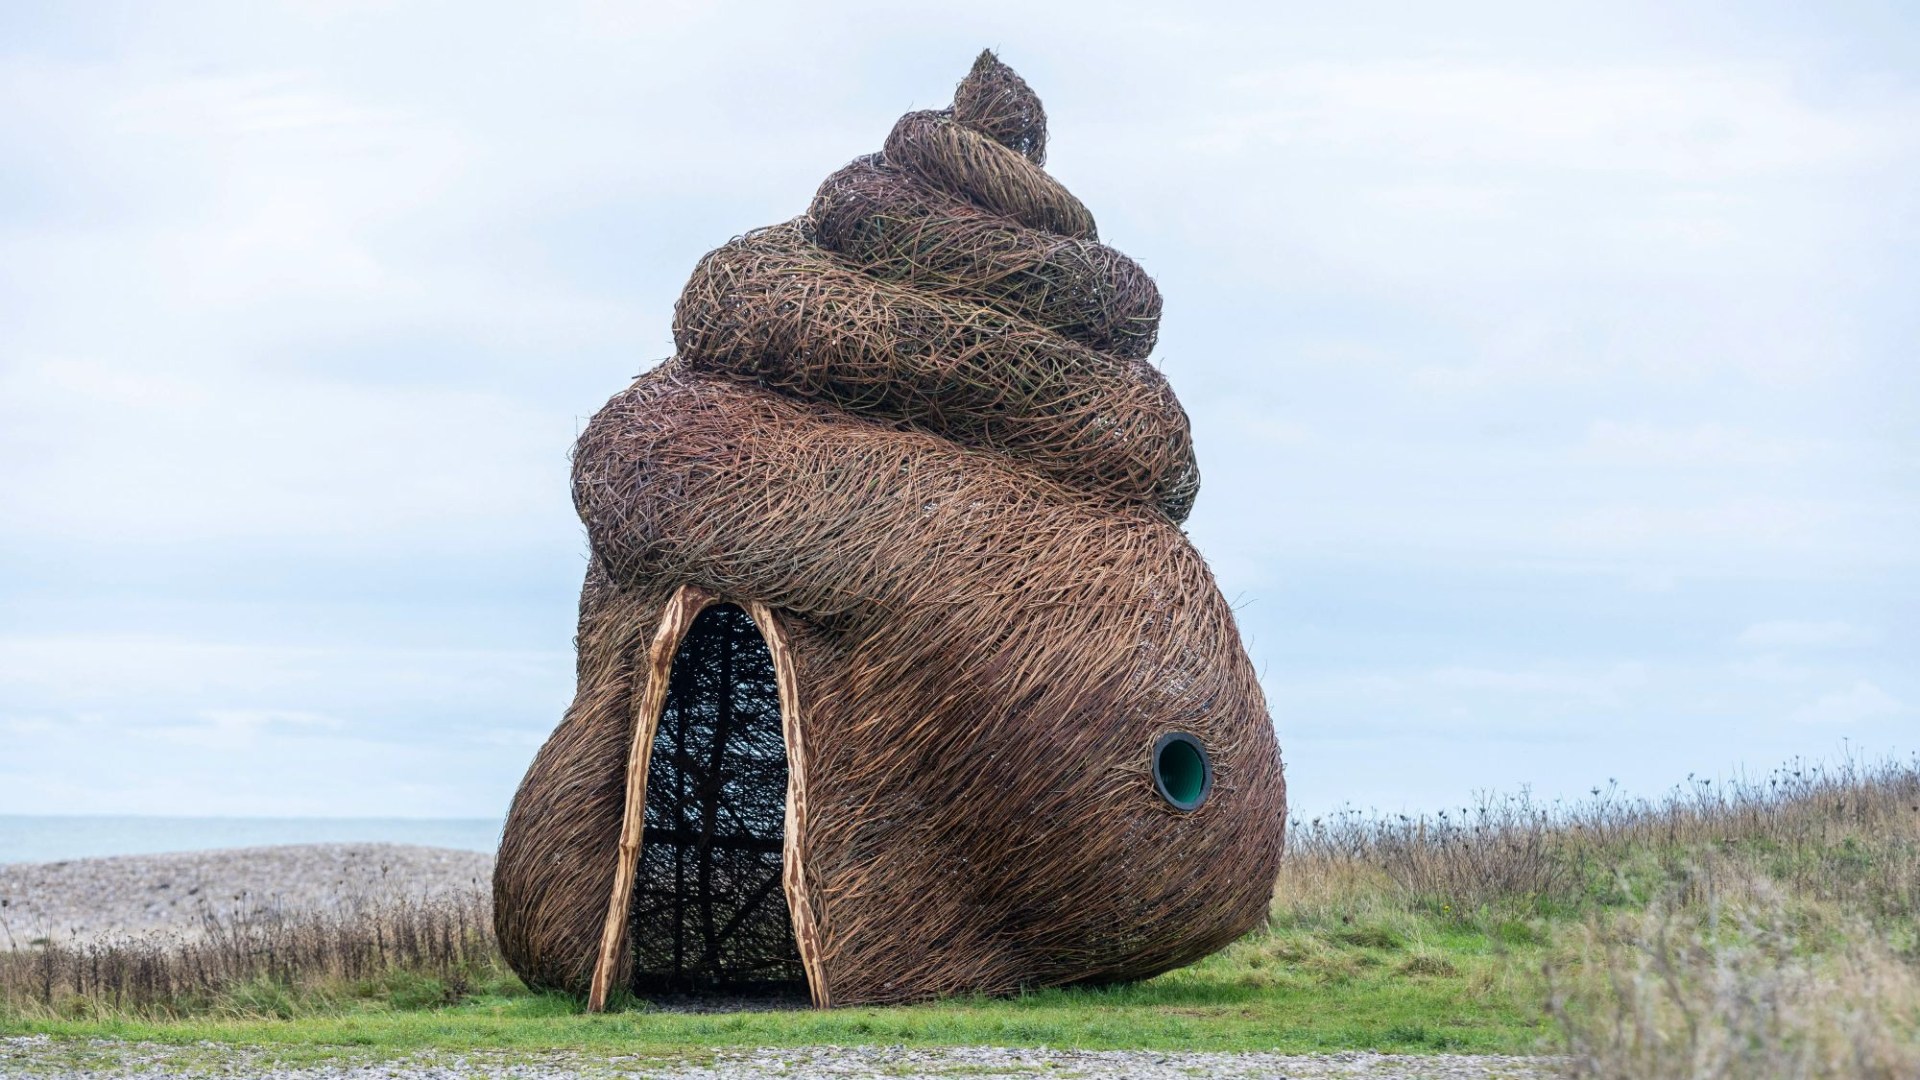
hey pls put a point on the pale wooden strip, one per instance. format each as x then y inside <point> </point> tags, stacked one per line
<point>793,857</point>
<point>675,619</point>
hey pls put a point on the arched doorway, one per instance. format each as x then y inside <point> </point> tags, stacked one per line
<point>709,914</point>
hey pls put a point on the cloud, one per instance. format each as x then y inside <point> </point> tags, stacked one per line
<point>1478,313</point>
<point>1794,634</point>
<point>519,738</point>
<point>1748,525</point>
<point>1862,701</point>
<point>1556,682</point>
<point>1693,122</point>
<point>1772,668</point>
<point>141,456</point>
<point>232,728</point>
<point>1693,446</point>
<point>128,670</point>
<point>21,727</point>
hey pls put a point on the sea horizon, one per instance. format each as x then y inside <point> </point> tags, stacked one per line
<point>31,838</point>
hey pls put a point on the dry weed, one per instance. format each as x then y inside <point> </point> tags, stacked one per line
<point>1754,987</point>
<point>267,962</point>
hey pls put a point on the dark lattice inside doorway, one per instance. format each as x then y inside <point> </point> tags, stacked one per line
<point>709,915</point>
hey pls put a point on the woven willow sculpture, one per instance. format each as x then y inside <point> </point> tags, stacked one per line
<point>897,677</point>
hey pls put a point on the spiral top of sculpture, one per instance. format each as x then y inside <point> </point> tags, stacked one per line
<point>948,284</point>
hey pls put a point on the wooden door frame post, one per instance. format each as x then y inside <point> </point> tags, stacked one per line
<point>793,852</point>
<point>676,618</point>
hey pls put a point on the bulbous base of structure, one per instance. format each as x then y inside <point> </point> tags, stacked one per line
<point>983,673</point>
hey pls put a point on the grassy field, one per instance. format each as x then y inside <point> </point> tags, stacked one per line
<point>1315,981</point>
<point>1769,929</point>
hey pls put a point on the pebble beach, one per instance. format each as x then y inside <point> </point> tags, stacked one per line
<point>75,900</point>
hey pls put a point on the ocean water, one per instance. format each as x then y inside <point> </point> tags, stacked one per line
<point>36,838</point>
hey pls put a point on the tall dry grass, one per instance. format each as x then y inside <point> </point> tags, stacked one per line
<point>1845,833</point>
<point>1758,928</point>
<point>265,962</point>
<point>1755,985</point>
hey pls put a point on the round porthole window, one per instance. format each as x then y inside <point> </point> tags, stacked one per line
<point>1181,772</point>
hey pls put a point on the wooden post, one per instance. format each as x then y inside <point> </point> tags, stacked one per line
<point>676,618</point>
<point>793,857</point>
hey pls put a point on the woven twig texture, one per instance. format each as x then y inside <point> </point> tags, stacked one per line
<point>918,424</point>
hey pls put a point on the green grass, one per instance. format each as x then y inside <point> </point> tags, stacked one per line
<point>1400,982</point>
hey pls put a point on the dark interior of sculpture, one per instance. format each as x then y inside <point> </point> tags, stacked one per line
<point>709,914</point>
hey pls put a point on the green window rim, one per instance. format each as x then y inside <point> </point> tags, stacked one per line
<point>1182,772</point>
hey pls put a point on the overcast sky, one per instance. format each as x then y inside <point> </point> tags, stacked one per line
<point>1553,372</point>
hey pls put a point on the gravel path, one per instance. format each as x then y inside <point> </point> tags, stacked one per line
<point>43,1057</point>
<point>128,894</point>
